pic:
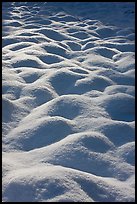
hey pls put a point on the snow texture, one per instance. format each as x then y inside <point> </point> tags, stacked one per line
<point>68,101</point>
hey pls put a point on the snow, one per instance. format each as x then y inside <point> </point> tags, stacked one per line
<point>68,102</point>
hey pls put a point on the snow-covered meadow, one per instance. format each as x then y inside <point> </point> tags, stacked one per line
<point>68,101</point>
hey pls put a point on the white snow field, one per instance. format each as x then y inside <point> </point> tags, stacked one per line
<point>68,101</point>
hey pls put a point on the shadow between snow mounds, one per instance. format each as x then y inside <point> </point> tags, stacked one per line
<point>95,191</point>
<point>41,134</point>
<point>52,34</point>
<point>120,107</point>
<point>63,81</point>
<point>118,132</point>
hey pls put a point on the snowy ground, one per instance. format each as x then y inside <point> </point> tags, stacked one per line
<point>68,102</point>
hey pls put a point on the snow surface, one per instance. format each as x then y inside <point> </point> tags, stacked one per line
<point>68,102</point>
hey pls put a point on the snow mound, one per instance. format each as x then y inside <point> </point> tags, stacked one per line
<point>68,102</point>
